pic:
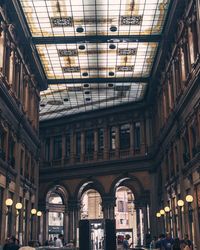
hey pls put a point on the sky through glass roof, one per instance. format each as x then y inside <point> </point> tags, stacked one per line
<point>112,43</point>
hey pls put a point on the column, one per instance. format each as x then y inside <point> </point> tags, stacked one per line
<point>2,43</point>
<point>108,206</point>
<point>73,213</point>
<point>82,146</point>
<point>106,142</point>
<point>189,141</point>
<point>95,144</point>
<point>45,224</point>
<point>11,69</point>
<point>197,114</point>
<point>174,80</point>
<point>66,225</point>
<point>131,138</point>
<point>145,221</point>
<point>198,24</point>
<point>138,226</point>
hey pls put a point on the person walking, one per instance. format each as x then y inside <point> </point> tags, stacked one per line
<point>168,242</point>
<point>59,241</point>
<point>126,244</point>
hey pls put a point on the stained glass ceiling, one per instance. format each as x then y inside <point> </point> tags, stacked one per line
<point>95,53</point>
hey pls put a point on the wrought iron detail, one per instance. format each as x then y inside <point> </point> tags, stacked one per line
<point>127,52</point>
<point>125,68</point>
<point>131,20</point>
<point>70,69</point>
<point>61,21</point>
<point>67,52</point>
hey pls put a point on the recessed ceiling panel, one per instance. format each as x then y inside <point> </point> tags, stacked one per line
<point>94,17</point>
<point>65,99</point>
<point>69,61</point>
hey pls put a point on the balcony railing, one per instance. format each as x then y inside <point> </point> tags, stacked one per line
<point>98,156</point>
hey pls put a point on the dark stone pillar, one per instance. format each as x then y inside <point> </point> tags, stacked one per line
<point>73,213</point>
<point>108,206</point>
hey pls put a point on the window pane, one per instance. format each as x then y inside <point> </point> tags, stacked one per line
<point>57,148</point>
<point>100,139</point>
<point>125,136</point>
<point>112,138</point>
<point>89,142</point>
<point>137,135</point>
<point>67,145</point>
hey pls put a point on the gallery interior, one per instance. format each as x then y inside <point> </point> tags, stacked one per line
<point>99,120</point>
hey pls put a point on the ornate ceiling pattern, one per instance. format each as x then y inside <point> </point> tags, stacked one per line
<point>95,53</point>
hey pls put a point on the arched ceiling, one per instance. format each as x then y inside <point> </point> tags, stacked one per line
<point>94,53</point>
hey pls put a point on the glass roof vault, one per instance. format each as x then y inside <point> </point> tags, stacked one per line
<point>95,53</point>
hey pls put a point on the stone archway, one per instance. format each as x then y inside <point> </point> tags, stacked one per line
<point>54,219</point>
<point>141,204</point>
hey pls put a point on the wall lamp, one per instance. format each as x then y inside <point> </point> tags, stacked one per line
<point>180,203</point>
<point>18,207</point>
<point>39,213</point>
<point>167,209</point>
<point>9,202</point>
<point>158,215</point>
<point>162,212</point>
<point>189,198</point>
<point>33,211</point>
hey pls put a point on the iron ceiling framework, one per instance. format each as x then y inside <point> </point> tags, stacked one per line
<point>95,53</point>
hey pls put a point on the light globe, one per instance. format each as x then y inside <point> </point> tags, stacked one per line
<point>33,211</point>
<point>18,206</point>
<point>167,209</point>
<point>158,215</point>
<point>9,202</point>
<point>189,198</point>
<point>162,211</point>
<point>180,203</point>
<point>39,213</point>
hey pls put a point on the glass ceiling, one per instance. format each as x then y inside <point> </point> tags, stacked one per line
<point>79,41</point>
<point>64,99</point>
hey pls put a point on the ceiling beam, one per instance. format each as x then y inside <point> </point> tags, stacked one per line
<point>99,80</point>
<point>96,39</point>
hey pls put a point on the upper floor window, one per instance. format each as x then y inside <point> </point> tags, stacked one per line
<point>186,155</point>
<point>137,135</point>
<point>57,147</point>
<point>67,145</point>
<point>89,142</point>
<point>112,138</point>
<point>21,161</point>
<point>172,162</point>
<point>2,144</point>
<point>47,149</point>
<point>100,139</point>
<point>12,153</point>
<point>125,136</point>
<point>177,160</point>
<point>78,143</point>
<point>193,140</point>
